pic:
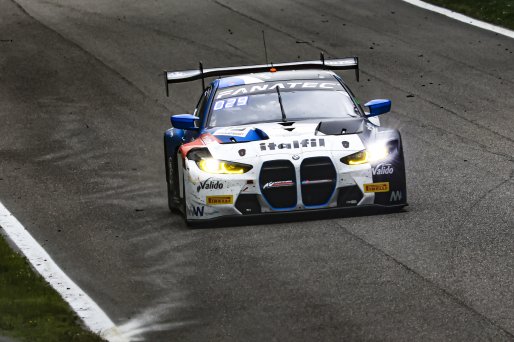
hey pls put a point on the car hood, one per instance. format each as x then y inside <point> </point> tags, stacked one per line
<point>257,140</point>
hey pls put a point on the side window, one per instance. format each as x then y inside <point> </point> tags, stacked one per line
<point>200,107</point>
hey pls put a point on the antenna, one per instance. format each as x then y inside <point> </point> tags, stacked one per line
<point>322,58</point>
<point>265,50</point>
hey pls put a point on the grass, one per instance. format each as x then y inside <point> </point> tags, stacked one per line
<point>499,12</point>
<point>30,310</point>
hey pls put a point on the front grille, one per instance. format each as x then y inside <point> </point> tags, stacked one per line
<point>318,177</point>
<point>278,183</point>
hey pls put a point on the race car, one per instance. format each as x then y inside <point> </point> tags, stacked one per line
<point>282,138</point>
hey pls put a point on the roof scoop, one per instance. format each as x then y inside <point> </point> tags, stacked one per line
<point>340,127</point>
<point>287,123</point>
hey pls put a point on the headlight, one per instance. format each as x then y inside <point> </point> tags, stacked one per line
<point>377,152</point>
<point>357,158</point>
<point>203,158</point>
<point>211,165</point>
<point>372,154</point>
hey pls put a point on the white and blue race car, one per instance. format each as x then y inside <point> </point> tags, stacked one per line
<point>280,138</point>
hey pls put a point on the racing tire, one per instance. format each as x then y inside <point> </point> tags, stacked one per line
<point>171,184</point>
<point>184,205</point>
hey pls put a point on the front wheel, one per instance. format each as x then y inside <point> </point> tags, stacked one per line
<point>172,184</point>
<point>184,205</point>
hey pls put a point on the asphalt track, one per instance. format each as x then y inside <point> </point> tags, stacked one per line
<point>82,112</point>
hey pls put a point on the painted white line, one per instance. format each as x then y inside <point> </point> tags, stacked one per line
<point>92,315</point>
<point>463,18</point>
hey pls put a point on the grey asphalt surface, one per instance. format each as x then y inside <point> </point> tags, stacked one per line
<point>82,112</point>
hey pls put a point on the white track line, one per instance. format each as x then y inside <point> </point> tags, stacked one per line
<point>463,18</point>
<point>92,315</point>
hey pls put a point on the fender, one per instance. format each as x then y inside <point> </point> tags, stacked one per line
<point>173,139</point>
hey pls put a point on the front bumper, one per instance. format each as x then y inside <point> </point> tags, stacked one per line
<point>215,197</point>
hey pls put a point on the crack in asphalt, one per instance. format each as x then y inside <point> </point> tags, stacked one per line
<point>460,225</point>
<point>412,271</point>
<point>481,198</point>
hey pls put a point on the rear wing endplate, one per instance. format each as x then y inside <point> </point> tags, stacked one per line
<point>350,63</point>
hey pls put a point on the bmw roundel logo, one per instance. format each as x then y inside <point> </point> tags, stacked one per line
<point>296,157</point>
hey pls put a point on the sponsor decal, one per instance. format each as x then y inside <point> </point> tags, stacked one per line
<point>235,132</point>
<point>176,74</point>
<point>396,196</point>
<point>196,211</point>
<point>279,184</point>
<point>340,62</point>
<point>209,184</point>
<point>377,187</point>
<point>217,200</point>
<point>230,103</point>
<point>272,86</point>
<point>383,169</point>
<point>293,145</point>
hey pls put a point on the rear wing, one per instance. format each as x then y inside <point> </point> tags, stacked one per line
<point>350,63</point>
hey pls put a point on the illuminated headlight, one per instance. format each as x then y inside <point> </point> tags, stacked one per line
<point>377,152</point>
<point>211,165</point>
<point>372,154</point>
<point>357,158</point>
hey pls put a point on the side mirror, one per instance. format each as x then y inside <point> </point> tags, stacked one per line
<point>377,107</point>
<point>184,121</point>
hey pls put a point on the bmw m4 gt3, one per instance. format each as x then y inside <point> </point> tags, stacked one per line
<point>288,137</point>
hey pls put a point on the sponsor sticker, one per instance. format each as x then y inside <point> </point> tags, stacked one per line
<point>230,103</point>
<point>377,187</point>
<point>383,169</point>
<point>195,210</point>
<point>396,196</point>
<point>294,144</point>
<point>234,132</point>
<point>209,184</point>
<point>279,184</point>
<point>217,200</point>
<point>272,86</point>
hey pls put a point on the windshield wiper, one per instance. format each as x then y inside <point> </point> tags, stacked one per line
<point>284,119</point>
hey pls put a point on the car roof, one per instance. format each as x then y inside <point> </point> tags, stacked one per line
<point>275,76</point>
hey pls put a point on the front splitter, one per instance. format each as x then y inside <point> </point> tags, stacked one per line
<point>288,216</point>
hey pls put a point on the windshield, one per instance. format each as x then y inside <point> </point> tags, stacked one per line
<point>329,101</point>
